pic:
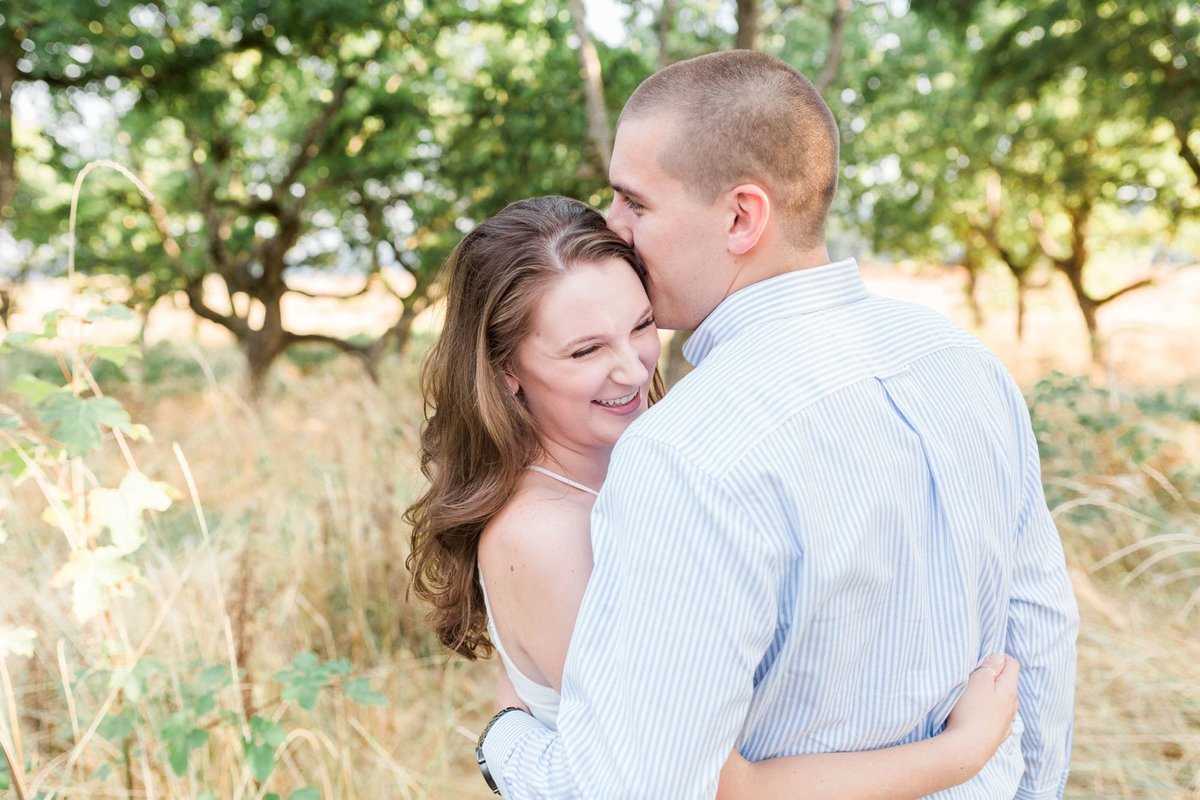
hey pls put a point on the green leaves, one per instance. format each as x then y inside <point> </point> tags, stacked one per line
<point>33,389</point>
<point>76,421</point>
<point>266,736</point>
<point>183,737</point>
<point>308,676</point>
<point>116,354</point>
<point>358,690</point>
<point>304,681</point>
<point>307,793</point>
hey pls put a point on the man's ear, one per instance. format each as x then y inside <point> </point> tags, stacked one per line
<point>512,383</point>
<point>750,211</point>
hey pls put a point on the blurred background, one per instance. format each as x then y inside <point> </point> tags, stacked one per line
<point>209,407</point>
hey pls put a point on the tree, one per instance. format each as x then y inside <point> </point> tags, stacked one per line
<point>1147,52</point>
<point>950,165</point>
<point>322,136</point>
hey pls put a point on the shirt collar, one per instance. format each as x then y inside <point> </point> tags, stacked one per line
<point>803,291</point>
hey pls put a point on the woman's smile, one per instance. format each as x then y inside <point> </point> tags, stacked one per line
<point>622,405</point>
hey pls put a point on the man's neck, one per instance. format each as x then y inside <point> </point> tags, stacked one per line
<point>763,266</point>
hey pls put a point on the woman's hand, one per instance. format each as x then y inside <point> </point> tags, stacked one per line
<point>982,718</point>
<point>735,779</point>
<point>506,693</point>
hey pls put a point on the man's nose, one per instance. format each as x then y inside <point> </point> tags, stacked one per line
<point>618,222</point>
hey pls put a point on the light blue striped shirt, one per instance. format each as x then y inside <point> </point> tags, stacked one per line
<point>807,547</point>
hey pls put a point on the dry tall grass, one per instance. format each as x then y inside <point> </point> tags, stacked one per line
<point>303,499</point>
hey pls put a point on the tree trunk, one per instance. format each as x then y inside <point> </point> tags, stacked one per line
<point>1089,319</point>
<point>971,266</point>
<point>837,42</point>
<point>261,348</point>
<point>266,344</point>
<point>1073,269</point>
<point>1185,149</point>
<point>599,128</point>
<point>6,306</point>
<point>8,154</point>
<point>666,22</point>
<point>1022,298</point>
<point>748,12</point>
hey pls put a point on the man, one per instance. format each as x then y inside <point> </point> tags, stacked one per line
<point>821,531</point>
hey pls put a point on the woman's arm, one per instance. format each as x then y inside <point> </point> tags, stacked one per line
<point>978,725</point>
<point>536,558</point>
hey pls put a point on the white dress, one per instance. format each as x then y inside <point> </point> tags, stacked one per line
<point>542,700</point>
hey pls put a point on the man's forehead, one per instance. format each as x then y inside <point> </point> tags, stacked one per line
<point>635,158</point>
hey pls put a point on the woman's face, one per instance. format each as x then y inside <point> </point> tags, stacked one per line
<point>586,365</point>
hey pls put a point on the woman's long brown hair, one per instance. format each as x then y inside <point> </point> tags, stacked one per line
<point>478,436</point>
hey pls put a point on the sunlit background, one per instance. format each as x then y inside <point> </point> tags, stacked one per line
<point>209,415</point>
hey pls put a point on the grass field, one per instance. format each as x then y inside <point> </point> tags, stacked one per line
<point>304,552</point>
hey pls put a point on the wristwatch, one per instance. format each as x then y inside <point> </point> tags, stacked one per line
<point>483,767</point>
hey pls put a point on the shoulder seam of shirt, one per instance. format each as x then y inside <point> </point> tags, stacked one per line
<point>751,444</point>
<point>718,479</point>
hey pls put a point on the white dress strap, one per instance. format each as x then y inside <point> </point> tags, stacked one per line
<point>562,479</point>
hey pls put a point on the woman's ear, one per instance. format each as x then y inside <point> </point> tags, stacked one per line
<point>512,383</point>
<point>751,207</point>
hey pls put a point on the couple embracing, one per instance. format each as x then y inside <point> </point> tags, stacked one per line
<point>822,566</point>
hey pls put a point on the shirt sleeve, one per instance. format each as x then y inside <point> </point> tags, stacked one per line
<point>1042,627</point>
<point>680,608</point>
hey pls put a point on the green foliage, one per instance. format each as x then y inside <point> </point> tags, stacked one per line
<point>306,793</point>
<point>76,422</point>
<point>358,690</point>
<point>309,675</point>
<point>1079,423</point>
<point>55,435</point>
<point>266,736</point>
<point>1118,477</point>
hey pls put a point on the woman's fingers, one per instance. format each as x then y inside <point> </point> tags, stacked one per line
<point>995,664</point>
<point>1007,680</point>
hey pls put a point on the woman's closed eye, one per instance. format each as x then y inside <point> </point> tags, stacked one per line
<point>646,323</point>
<point>586,351</point>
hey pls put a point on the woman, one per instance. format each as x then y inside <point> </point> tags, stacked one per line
<point>547,355</point>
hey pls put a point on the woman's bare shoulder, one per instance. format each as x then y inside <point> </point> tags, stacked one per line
<point>537,528</point>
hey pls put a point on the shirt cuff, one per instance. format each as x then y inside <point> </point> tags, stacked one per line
<point>502,739</point>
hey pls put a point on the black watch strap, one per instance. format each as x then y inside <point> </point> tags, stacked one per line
<point>483,767</point>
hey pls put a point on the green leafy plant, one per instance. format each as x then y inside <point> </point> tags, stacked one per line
<point>58,433</point>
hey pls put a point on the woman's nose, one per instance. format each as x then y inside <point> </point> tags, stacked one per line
<point>629,369</point>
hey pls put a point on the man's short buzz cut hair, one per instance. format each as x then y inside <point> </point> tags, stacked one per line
<point>744,116</point>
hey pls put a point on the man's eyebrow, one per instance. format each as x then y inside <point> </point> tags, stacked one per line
<point>625,190</point>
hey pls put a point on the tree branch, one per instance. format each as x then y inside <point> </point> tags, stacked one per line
<point>1144,282</point>
<point>1038,223</point>
<point>747,25</point>
<point>666,23</point>
<point>324,296</point>
<point>322,338</point>
<point>599,128</point>
<point>195,295</point>
<point>1185,149</point>
<point>309,146</point>
<point>837,41</point>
